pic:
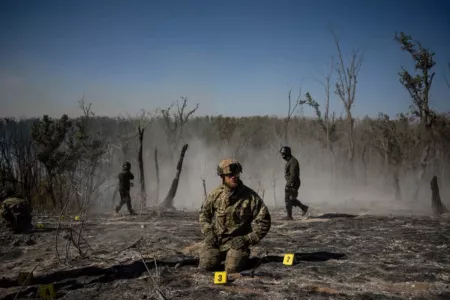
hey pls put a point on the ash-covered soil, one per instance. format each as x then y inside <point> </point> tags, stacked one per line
<point>337,257</point>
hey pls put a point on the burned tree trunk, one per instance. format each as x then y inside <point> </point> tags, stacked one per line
<point>168,201</point>
<point>436,203</point>
<point>396,177</point>
<point>204,188</point>
<point>157,177</point>
<point>141,168</point>
<point>425,158</point>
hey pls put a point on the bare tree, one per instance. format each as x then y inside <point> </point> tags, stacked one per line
<point>419,87</point>
<point>175,121</point>
<point>143,121</point>
<point>327,123</point>
<point>291,110</point>
<point>347,79</point>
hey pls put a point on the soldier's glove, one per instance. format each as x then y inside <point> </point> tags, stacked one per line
<point>210,239</point>
<point>239,242</point>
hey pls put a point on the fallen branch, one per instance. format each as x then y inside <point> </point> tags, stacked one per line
<point>156,286</point>
<point>26,280</point>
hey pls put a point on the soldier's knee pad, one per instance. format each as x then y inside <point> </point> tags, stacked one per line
<point>236,259</point>
<point>209,258</point>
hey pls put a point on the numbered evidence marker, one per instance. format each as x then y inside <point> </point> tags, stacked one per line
<point>288,259</point>
<point>77,218</point>
<point>39,225</point>
<point>47,292</point>
<point>220,277</point>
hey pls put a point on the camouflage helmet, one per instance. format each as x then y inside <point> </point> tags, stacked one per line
<point>126,166</point>
<point>229,166</point>
<point>285,150</point>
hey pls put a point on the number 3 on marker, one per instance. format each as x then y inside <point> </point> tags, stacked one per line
<point>288,259</point>
<point>220,277</point>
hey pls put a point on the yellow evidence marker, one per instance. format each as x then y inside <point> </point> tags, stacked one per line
<point>220,277</point>
<point>77,218</point>
<point>47,292</point>
<point>288,259</point>
<point>39,225</point>
<point>24,279</point>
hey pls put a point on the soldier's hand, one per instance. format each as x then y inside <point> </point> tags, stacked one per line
<point>131,184</point>
<point>239,242</point>
<point>210,239</point>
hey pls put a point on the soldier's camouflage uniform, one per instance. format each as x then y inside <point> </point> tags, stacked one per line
<point>234,212</point>
<point>292,177</point>
<point>16,213</point>
<point>124,189</point>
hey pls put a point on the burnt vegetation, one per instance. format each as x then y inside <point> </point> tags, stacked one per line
<point>68,167</point>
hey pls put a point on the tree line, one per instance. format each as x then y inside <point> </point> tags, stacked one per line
<point>63,163</point>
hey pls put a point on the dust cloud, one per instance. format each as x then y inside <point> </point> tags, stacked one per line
<point>263,171</point>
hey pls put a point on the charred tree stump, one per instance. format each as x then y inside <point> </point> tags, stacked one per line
<point>141,168</point>
<point>157,177</point>
<point>436,203</point>
<point>168,201</point>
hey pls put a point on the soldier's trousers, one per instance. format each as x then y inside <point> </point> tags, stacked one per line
<point>290,199</point>
<point>124,199</point>
<point>211,258</point>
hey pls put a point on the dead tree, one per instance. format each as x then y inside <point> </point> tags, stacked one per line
<point>141,167</point>
<point>205,194</point>
<point>436,203</point>
<point>168,201</point>
<point>157,177</point>
<point>174,122</point>
<point>419,87</point>
<point>328,124</point>
<point>291,110</point>
<point>346,90</point>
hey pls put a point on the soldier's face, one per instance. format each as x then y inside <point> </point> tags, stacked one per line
<point>231,180</point>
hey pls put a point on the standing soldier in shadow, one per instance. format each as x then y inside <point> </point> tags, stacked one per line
<point>124,188</point>
<point>292,176</point>
<point>15,211</point>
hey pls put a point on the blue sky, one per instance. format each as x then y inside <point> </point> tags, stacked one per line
<point>233,57</point>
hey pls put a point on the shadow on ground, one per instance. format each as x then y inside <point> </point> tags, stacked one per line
<point>76,278</point>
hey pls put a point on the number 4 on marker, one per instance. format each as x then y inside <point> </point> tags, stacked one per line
<point>288,259</point>
<point>220,277</point>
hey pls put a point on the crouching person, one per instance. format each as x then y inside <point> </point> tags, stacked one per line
<point>241,220</point>
<point>15,212</point>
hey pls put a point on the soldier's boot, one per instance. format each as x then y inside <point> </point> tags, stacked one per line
<point>289,213</point>
<point>302,206</point>
<point>304,209</point>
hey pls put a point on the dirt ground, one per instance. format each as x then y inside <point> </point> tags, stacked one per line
<point>337,256</point>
